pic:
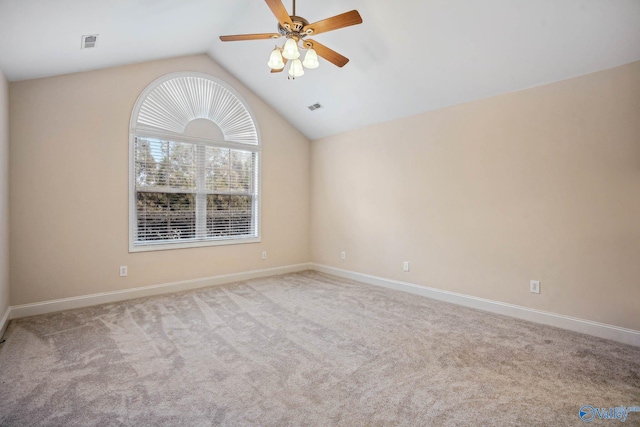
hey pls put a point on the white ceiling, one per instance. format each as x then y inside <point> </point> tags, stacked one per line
<point>408,57</point>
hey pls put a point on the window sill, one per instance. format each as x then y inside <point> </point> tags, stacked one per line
<point>187,245</point>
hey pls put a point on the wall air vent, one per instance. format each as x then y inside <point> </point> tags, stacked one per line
<point>315,106</point>
<point>89,41</point>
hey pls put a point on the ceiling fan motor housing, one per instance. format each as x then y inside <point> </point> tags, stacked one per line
<point>298,24</point>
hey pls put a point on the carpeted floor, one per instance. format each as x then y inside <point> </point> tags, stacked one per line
<point>304,349</point>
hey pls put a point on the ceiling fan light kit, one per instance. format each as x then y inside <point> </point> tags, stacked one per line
<point>311,59</point>
<point>296,69</point>
<point>275,60</point>
<point>290,49</point>
<point>296,29</point>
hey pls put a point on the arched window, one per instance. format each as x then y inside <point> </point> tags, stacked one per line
<point>194,165</point>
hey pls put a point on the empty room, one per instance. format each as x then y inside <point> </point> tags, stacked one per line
<point>319,213</point>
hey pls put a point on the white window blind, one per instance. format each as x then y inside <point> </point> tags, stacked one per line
<point>194,186</point>
<point>193,192</point>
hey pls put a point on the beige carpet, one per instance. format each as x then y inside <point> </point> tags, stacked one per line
<point>304,349</point>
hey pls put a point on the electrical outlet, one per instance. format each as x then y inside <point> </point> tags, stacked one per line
<point>343,255</point>
<point>264,254</point>
<point>534,286</point>
<point>123,270</point>
<point>405,266</point>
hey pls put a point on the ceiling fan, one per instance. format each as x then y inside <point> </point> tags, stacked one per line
<point>296,30</point>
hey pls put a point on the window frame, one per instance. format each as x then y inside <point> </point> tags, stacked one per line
<point>136,130</point>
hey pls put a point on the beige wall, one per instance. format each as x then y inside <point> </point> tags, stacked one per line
<point>4,195</point>
<point>482,197</point>
<point>69,188</point>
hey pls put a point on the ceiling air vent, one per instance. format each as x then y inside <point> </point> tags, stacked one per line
<point>89,41</point>
<point>315,106</point>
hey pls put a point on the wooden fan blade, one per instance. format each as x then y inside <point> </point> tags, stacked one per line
<point>239,37</point>
<point>328,54</point>
<point>280,12</point>
<point>339,21</point>
<point>280,70</point>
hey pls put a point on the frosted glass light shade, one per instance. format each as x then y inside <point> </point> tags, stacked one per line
<point>296,70</point>
<point>290,50</point>
<point>311,59</point>
<point>275,60</point>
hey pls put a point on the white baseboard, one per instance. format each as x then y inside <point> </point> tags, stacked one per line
<point>25,310</point>
<point>4,322</point>
<point>616,333</point>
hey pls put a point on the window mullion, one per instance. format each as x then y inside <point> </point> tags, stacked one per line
<point>201,196</point>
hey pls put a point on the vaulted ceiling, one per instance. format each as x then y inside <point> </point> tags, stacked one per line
<point>408,56</point>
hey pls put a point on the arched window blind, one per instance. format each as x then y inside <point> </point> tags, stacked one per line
<point>194,165</point>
